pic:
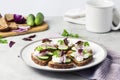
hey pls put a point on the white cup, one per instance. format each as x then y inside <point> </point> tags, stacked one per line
<point>99,16</point>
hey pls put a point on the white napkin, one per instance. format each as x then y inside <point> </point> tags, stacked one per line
<point>77,16</point>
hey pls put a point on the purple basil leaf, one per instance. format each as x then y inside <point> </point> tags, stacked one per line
<point>62,53</point>
<point>66,41</point>
<point>27,39</point>
<point>11,43</point>
<point>43,51</point>
<point>78,42</point>
<point>46,40</point>
<point>32,36</point>
<point>80,50</point>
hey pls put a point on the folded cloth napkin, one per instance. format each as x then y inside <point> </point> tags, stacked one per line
<point>109,69</point>
<point>77,16</point>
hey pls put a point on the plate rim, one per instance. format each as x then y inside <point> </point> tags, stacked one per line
<point>64,70</point>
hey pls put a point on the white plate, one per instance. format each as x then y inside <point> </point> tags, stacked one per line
<point>99,55</point>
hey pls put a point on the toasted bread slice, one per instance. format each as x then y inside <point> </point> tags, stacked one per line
<point>60,65</point>
<point>3,25</point>
<point>81,63</point>
<point>9,17</point>
<point>39,61</point>
<point>4,29</point>
<point>13,25</point>
<point>0,16</point>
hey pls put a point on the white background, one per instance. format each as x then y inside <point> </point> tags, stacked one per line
<point>48,7</point>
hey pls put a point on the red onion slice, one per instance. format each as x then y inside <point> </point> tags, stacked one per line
<point>80,51</point>
<point>46,40</point>
<point>22,29</point>
<point>32,36</point>
<point>66,41</point>
<point>11,43</point>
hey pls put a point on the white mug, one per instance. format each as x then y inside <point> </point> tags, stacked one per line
<point>99,16</point>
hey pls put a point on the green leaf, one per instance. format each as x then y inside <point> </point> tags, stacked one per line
<point>71,35</point>
<point>86,44</point>
<point>61,42</point>
<point>65,33</point>
<point>39,48</point>
<point>0,37</point>
<point>85,51</point>
<point>3,41</point>
<point>76,36</point>
<point>56,53</point>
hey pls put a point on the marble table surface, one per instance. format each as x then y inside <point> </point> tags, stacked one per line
<point>13,68</point>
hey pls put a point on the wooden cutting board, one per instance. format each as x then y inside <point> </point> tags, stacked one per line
<point>40,28</point>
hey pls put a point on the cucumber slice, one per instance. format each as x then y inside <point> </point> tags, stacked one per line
<point>51,47</point>
<point>39,48</point>
<point>72,54</point>
<point>50,53</point>
<point>63,47</point>
<point>68,60</point>
<point>43,57</point>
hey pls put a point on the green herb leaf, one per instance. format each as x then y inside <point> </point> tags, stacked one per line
<point>0,37</point>
<point>76,36</point>
<point>86,44</point>
<point>85,51</point>
<point>3,41</point>
<point>56,53</point>
<point>65,33</point>
<point>39,48</point>
<point>61,42</point>
<point>71,35</point>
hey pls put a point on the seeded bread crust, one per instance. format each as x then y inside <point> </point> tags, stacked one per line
<point>4,29</point>
<point>60,66</point>
<point>40,62</point>
<point>79,63</point>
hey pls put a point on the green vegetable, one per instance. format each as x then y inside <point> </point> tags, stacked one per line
<point>0,37</point>
<point>39,48</point>
<point>39,19</point>
<point>86,44</point>
<point>63,47</point>
<point>3,41</point>
<point>50,53</point>
<point>85,51</point>
<point>56,53</point>
<point>61,42</point>
<point>30,20</point>
<point>51,47</point>
<point>43,57</point>
<point>68,60</point>
<point>67,34</point>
